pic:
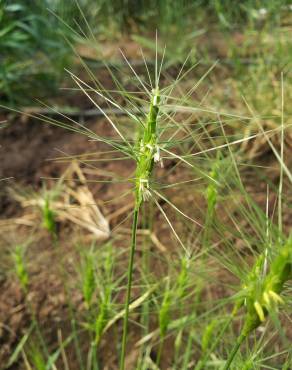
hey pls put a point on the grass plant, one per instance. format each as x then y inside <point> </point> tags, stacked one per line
<point>157,138</point>
<point>200,234</point>
<point>48,214</point>
<point>20,266</point>
<point>148,154</point>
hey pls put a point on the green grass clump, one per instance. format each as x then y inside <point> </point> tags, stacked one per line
<point>33,51</point>
<point>98,288</point>
<point>49,222</point>
<point>20,266</point>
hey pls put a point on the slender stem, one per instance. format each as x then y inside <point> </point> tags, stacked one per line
<point>188,351</point>
<point>207,231</point>
<point>235,348</point>
<point>281,162</point>
<point>201,364</point>
<point>145,162</point>
<point>129,286</point>
<point>159,351</point>
<point>147,220</point>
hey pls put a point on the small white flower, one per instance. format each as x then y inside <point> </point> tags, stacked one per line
<point>157,156</point>
<point>149,146</point>
<point>262,12</point>
<point>144,189</point>
<point>155,93</point>
<point>146,195</point>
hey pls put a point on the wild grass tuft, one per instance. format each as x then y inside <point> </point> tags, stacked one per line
<point>88,278</point>
<point>20,266</point>
<point>48,214</point>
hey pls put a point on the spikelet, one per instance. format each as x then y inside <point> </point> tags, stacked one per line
<point>49,222</point>
<point>148,151</point>
<point>20,267</point>
<point>261,294</point>
<point>88,279</point>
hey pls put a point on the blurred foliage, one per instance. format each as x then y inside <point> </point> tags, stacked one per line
<point>162,14</point>
<point>34,34</point>
<point>33,51</point>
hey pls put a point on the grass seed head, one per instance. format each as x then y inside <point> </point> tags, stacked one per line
<point>164,311</point>
<point>182,280</point>
<point>20,267</point>
<point>208,335</point>
<point>88,279</point>
<point>103,314</point>
<point>49,222</point>
<point>211,193</point>
<point>263,294</point>
<point>148,151</point>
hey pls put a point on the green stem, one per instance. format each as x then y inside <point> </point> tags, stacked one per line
<point>188,351</point>
<point>235,349</point>
<point>202,362</point>
<point>129,286</point>
<point>94,347</point>
<point>159,353</point>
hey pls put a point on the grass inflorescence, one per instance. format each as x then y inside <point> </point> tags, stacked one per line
<point>147,155</point>
<point>262,292</point>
